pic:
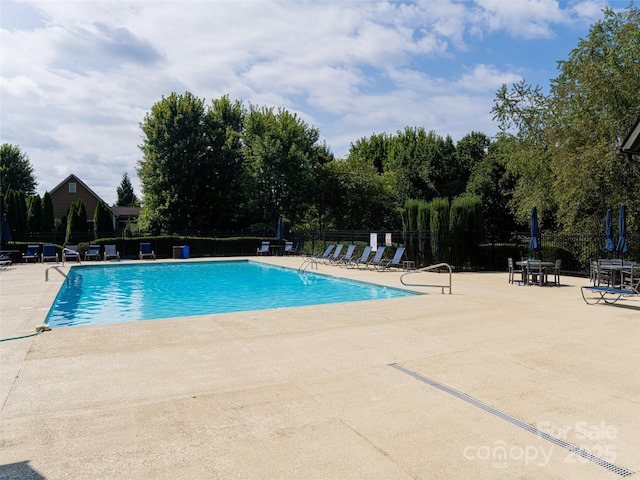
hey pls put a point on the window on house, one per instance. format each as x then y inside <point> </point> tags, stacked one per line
<point>72,187</point>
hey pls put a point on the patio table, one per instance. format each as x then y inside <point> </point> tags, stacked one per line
<point>616,267</point>
<point>538,269</point>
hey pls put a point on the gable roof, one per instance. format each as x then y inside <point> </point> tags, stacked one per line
<point>127,211</point>
<point>73,178</point>
<point>631,145</point>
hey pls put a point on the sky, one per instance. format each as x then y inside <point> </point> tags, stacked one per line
<point>78,77</point>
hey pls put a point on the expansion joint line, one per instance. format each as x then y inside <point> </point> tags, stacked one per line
<point>576,450</point>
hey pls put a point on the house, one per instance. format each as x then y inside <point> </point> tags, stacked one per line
<point>72,189</point>
<point>631,145</point>
<point>125,216</point>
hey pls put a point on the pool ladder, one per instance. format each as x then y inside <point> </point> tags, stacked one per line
<point>426,269</point>
<point>57,269</point>
<point>309,262</point>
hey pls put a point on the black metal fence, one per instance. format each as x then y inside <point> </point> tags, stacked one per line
<point>470,250</point>
<point>464,250</point>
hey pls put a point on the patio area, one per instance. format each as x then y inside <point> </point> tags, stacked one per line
<point>383,389</point>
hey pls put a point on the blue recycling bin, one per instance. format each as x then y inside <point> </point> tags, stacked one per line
<point>185,251</point>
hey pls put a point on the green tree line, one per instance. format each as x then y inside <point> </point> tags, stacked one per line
<point>224,166</point>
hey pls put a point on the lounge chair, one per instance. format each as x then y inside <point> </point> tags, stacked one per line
<point>375,261</point>
<point>346,257</point>
<point>33,253</point>
<point>394,262</point>
<point>288,248</point>
<point>49,253</point>
<point>93,253</point>
<point>146,251</point>
<point>335,255</point>
<point>325,255</point>
<point>263,249</point>
<point>608,295</point>
<point>5,261</point>
<point>298,249</point>
<point>70,252</point>
<point>111,252</point>
<point>364,258</point>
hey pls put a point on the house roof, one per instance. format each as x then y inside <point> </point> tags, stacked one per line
<point>631,145</point>
<point>73,178</point>
<point>126,211</point>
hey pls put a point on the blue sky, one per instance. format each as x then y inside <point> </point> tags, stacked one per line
<point>77,77</point>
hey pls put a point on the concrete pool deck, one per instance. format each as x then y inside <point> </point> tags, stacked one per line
<point>323,391</point>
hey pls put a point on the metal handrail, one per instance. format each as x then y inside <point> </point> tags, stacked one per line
<point>426,269</point>
<point>308,261</point>
<point>57,269</point>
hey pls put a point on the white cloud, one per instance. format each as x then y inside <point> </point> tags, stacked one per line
<point>485,78</point>
<point>78,77</point>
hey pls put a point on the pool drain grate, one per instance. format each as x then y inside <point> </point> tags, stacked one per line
<point>623,472</point>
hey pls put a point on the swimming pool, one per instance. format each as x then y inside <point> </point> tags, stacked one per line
<point>122,293</point>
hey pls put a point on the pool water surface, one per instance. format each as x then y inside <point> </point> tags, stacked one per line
<point>123,293</point>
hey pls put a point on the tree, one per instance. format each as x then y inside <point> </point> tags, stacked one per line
<point>126,196</point>
<point>47,219</point>
<point>16,172</point>
<point>358,197</point>
<point>470,150</point>
<point>224,122</point>
<point>102,221</point>
<point>595,103</point>
<point>373,150</point>
<point>281,152</point>
<point>15,206</point>
<point>34,213</point>
<point>562,146</point>
<point>192,174</point>
<point>491,182</point>
<point>76,223</point>
<point>426,166</point>
<point>173,172</point>
<point>523,115</point>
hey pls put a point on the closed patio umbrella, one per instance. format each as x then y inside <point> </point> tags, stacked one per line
<point>5,231</point>
<point>621,248</point>
<point>279,230</point>
<point>609,246</point>
<point>534,230</point>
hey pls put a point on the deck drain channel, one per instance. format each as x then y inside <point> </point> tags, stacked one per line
<point>623,472</point>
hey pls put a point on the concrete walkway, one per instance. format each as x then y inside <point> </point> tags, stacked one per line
<point>389,389</point>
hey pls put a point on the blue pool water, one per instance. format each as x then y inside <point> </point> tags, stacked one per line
<point>123,293</point>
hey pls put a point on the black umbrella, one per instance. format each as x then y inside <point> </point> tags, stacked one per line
<point>621,248</point>
<point>609,246</point>
<point>5,231</point>
<point>279,230</point>
<point>534,229</point>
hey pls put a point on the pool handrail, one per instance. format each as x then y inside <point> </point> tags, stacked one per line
<point>309,262</point>
<point>426,269</point>
<point>57,269</point>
